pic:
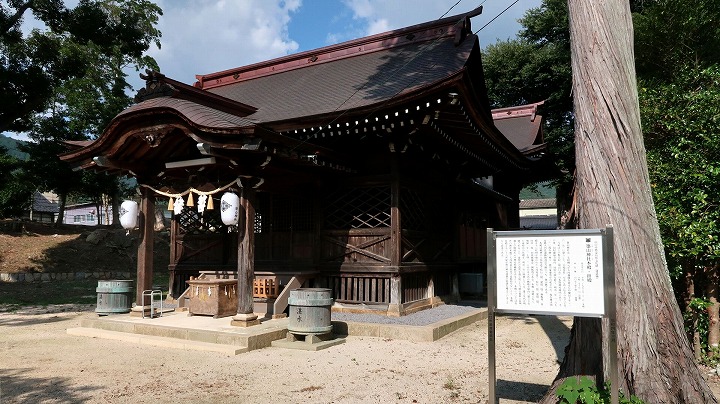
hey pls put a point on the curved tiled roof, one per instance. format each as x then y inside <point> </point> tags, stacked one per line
<point>362,80</point>
<point>197,114</point>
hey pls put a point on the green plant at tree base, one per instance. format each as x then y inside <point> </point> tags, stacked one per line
<point>583,390</point>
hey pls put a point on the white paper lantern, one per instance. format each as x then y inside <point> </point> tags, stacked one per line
<point>230,209</point>
<point>129,214</point>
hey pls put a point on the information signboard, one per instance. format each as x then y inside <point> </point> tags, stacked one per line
<point>555,272</point>
<point>550,273</point>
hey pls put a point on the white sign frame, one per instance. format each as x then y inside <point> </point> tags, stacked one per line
<point>581,260</point>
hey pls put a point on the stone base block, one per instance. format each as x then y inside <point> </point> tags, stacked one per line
<point>311,342</point>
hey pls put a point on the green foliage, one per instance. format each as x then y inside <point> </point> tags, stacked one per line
<point>672,35</point>
<point>15,191</point>
<point>682,133</point>
<point>697,320</point>
<point>536,67</point>
<point>73,45</point>
<point>11,146</point>
<point>583,390</point>
<point>67,80</point>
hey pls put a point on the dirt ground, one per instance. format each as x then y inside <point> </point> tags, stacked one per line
<point>40,363</point>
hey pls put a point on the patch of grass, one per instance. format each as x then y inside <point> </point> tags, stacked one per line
<point>450,384</point>
<point>46,293</point>
<point>18,294</point>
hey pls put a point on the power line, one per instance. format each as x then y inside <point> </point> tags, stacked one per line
<point>323,125</point>
<point>450,9</point>
<point>495,18</point>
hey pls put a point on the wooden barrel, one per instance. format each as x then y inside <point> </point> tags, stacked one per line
<point>309,311</point>
<point>114,296</point>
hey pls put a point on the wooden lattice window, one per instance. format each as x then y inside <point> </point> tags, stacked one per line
<point>412,208</point>
<point>283,213</point>
<point>192,222</point>
<point>358,208</point>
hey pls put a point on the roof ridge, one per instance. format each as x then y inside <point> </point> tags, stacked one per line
<point>518,110</point>
<point>158,85</point>
<point>427,31</point>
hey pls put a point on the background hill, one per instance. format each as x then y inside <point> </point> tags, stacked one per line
<point>12,146</point>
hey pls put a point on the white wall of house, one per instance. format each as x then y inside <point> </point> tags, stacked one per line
<point>87,215</point>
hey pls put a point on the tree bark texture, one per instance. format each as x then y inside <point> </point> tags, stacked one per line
<point>160,221</point>
<point>62,201</point>
<point>655,361</point>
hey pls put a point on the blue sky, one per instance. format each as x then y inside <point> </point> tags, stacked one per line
<point>206,36</point>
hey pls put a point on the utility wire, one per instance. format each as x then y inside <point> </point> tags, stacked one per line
<point>324,125</point>
<point>450,9</point>
<point>495,18</point>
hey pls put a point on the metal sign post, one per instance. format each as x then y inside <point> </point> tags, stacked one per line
<point>554,272</point>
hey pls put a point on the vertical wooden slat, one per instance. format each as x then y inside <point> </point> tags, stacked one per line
<point>361,290</point>
<point>343,288</point>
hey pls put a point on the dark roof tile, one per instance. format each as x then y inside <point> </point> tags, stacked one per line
<point>197,114</point>
<point>353,82</point>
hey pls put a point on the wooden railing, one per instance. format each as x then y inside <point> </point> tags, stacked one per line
<point>415,287</point>
<point>372,289</point>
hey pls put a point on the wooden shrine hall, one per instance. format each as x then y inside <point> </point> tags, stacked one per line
<point>371,167</point>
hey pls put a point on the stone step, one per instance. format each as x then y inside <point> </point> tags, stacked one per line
<point>164,342</point>
<point>197,328</point>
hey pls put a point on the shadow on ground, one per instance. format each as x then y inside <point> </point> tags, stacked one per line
<point>15,387</point>
<point>520,391</point>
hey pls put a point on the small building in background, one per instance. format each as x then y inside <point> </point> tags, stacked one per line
<point>538,214</point>
<point>44,208</point>
<point>86,214</point>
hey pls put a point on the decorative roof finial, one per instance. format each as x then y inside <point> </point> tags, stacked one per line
<point>155,86</point>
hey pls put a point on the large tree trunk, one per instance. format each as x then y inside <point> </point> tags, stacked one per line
<point>612,185</point>
<point>62,201</point>
<point>116,209</point>
<point>160,221</point>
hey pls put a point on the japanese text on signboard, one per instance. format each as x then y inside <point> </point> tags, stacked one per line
<point>546,274</point>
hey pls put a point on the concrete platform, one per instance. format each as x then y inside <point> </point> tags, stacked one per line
<point>178,330</point>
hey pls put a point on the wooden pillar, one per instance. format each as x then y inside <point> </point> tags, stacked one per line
<point>172,265</point>
<point>395,307</point>
<point>245,316</point>
<point>145,249</point>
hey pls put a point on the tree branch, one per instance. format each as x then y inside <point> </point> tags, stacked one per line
<point>16,18</point>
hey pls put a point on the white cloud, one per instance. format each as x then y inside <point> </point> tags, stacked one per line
<point>382,15</point>
<point>205,36</point>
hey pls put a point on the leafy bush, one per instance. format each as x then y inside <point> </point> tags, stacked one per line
<point>583,390</point>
